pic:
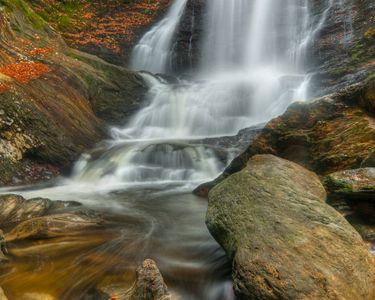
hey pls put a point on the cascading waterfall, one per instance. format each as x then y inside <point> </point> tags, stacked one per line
<point>153,51</point>
<point>252,68</point>
<point>253,65</point>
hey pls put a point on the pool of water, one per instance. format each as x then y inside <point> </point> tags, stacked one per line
<point>165,226</point>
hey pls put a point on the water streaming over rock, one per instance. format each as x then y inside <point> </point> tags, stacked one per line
<point>153,51</point>
<point>252,67</point>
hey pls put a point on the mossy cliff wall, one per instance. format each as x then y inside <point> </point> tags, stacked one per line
<point>55,102</point>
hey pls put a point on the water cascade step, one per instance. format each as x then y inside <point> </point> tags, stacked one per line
<point>252,67</point>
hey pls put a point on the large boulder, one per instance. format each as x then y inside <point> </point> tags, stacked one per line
<point>284,240</point>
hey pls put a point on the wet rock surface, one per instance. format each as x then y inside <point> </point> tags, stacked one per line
<point>326,135</point>
<point>41,218</point>
<point>352,184</point>
<point>343,50</point>
<point>351,192</point>
<point>149,284</point>
<point>15,208</point>
<point>284,240</point>
<point>189,38</point>
<point>53,226</point>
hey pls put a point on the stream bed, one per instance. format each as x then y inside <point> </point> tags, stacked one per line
<point>165,226</point>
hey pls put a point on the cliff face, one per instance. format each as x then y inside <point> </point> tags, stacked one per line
<point>344,49</point>
<point>55,102</point>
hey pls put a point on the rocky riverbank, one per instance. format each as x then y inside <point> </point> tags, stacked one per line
<point>55,102</point>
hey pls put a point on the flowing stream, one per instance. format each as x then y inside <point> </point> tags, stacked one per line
<point>252,66</point>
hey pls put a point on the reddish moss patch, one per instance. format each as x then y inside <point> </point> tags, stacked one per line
<point>124,24</point>
<point>98,26</point>
<point>23,72</point>
<point>40,51</point>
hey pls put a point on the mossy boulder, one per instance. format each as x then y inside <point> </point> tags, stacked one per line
<point>284,240</point>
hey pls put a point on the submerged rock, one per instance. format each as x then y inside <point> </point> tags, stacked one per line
<point>53,226</point>
<point>284,240</point>
<point>15,208</point>
<point>149,284</point>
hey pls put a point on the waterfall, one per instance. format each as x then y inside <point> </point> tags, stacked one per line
<point>154,49</point>
<point>252,68</point>
<point>253,65</point>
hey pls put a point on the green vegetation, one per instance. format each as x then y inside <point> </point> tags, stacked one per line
<point>61,13</point>
<point>357,52</point>
<point>337,185</point>
<point>30,15</point>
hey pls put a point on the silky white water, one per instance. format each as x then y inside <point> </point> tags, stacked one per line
<point>252,66</point>
<point>153,51</point>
